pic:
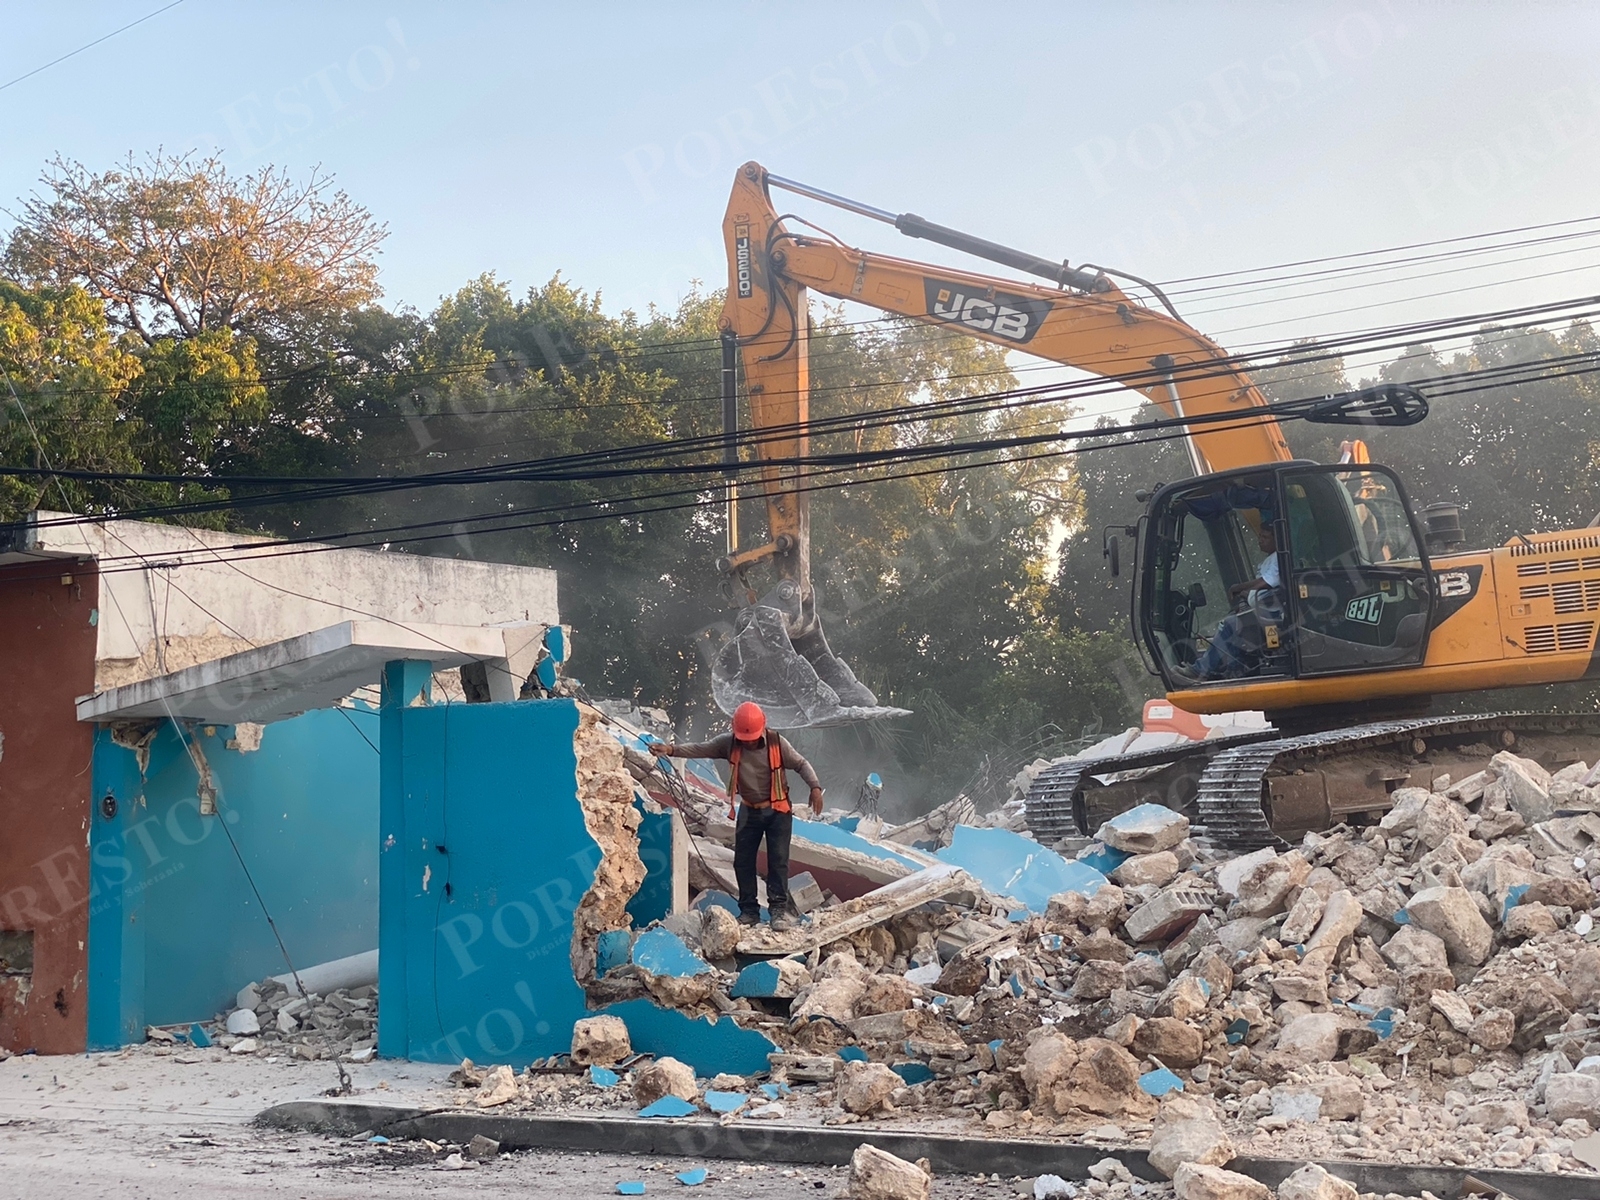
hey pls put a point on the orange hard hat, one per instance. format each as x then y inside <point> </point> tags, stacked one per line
<point>749,722</point>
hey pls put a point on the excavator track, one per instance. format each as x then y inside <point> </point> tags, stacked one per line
<point>1056,808</point>
<point>1263,789</point>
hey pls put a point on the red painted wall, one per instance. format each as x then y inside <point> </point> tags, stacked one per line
<point>47,658</point>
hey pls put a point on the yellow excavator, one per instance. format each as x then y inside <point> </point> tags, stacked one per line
<point>1314,592</point>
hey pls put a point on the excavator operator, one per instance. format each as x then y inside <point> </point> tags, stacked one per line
<point>758,759</point>
<point>1236,648</point>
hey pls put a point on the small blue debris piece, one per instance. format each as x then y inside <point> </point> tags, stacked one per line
<point>669,1106</point>
<point>692,1178</point>
<point>1103,858</point>
<point>758,979</point>
<point>912,1072</point>
<point>1383,1023</point>
<point>1238,1031</point>
<point>1205,989</point>
<point>853,1054</point>
<point>1514,897</point>
<point>1015,983</point>
<point>995,1045</point>
<point>726,1102</point>
<point>1402,917</point>
<point>612,950</point>
<point>662,952</point>
<point>377,1139</point>
<point>631,1187</point>
<point>198,1037</point>
<point>1159,1083</point>
<point>603,1077</point>
<point>772,1091</point>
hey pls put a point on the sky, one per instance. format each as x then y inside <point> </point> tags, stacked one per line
<point>599,140</point>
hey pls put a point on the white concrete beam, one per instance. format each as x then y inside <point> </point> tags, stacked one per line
<point>314,670</point>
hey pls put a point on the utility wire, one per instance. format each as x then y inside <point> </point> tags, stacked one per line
<point>89,45</point>
<point>611,463</point>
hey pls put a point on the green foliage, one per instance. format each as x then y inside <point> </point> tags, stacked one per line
<point>65,373</point>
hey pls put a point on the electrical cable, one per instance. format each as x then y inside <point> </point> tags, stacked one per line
<point>89,45</point>
<point>576,467</point>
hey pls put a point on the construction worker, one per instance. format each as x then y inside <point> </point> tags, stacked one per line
<point>758,759</point>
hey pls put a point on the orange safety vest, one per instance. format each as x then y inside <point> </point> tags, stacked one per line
<point>780,785</point>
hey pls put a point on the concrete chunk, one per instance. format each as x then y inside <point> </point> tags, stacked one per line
<point>1450,914</point>
<point>1524,784</point>
<point>1187,1131</point>
<point>865,1087</point>
<point>1311,1182</point>
<point>878,1175</point>
<point>1573,1095</point>
<point>664,1077</point>
<point>1167,913</point>
<point>1313,1037</point>
<point>1192,1182</point>
<point>1145,830</point>
<point>600,1041</point>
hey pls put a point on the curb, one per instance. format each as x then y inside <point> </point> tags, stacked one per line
<point>773,1143</point>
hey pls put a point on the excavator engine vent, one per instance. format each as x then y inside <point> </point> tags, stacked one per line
<point>1568,637</point>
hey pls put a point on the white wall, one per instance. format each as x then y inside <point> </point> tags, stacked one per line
<point>207,607</point>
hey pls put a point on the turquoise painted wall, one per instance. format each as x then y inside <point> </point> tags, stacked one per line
<point>174,927</point>
<point>484,858</point>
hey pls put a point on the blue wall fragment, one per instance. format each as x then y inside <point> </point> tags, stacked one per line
<point>662,952</point>
<point>1011,865</point>
<point>709,1048</point>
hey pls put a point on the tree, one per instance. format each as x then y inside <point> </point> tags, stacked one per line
<point>64,376</point>
<point>175,246</point>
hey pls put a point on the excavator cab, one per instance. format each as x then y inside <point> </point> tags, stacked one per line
<point>1282,572</point>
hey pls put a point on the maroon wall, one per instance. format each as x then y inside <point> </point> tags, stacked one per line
<point>47,658</point>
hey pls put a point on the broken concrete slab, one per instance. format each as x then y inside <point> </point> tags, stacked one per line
<point>1017,867</point>
<point>1146,829</point>
<point>1168,912</point>
<point>863,912</point>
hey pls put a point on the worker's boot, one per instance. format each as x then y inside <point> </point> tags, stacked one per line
<point>749,918</point>
<point>783,922</point>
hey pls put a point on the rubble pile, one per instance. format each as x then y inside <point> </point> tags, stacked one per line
<point>272,1020</point>
<point>1420,990</point>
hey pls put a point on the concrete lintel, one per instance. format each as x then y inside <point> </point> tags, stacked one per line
<point>313,670</point>
<point>773,1142</point>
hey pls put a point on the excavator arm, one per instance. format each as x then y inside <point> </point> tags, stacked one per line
<point>779,657</point>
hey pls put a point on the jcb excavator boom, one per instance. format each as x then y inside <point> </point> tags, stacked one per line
<point>780,657</point>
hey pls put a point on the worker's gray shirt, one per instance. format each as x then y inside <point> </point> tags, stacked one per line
<point>755,774</point>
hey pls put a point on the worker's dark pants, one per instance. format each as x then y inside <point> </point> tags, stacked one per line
<point>753,825</point>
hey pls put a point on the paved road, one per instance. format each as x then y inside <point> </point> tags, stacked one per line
<point>172,1127</point>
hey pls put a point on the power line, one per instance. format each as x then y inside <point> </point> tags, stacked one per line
<point>89,45</point>
<point>558,468</point>
<point>1165,429</point>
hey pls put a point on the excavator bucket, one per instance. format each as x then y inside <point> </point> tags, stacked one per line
<point>799,685</point>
